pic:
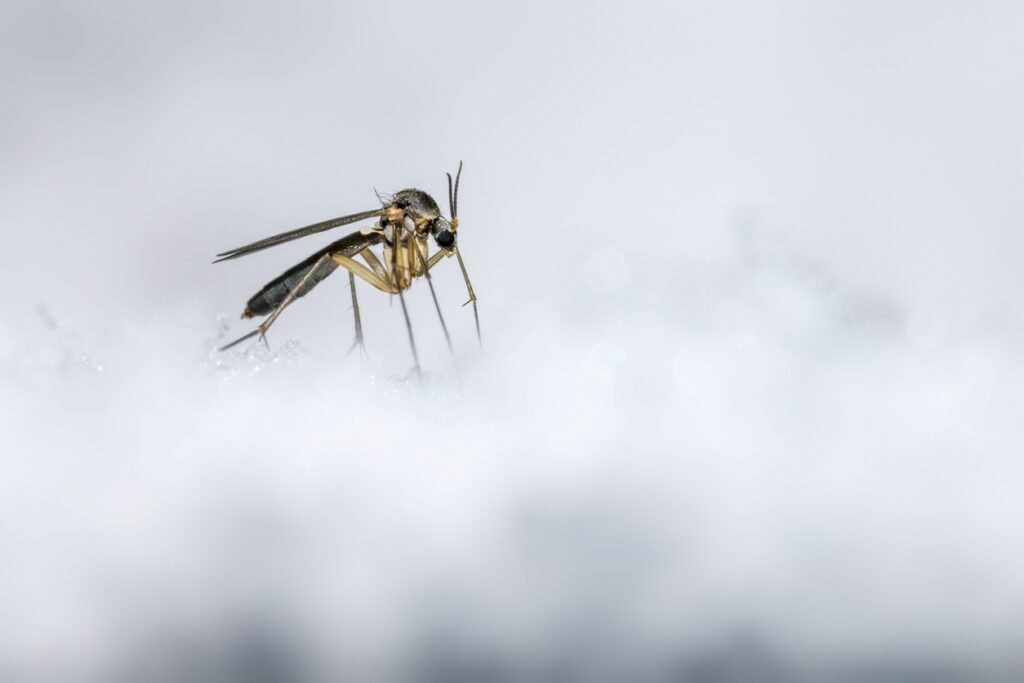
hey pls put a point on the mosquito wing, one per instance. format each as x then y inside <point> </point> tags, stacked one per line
<point>296,234</point>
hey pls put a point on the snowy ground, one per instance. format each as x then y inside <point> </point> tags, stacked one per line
<point>748,407</point>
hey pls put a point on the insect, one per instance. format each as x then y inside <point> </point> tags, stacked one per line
<point>403,225</point>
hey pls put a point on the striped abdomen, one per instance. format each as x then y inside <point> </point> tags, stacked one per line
<point>274,292</point>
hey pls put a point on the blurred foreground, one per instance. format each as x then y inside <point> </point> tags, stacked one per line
<point>796,485</point>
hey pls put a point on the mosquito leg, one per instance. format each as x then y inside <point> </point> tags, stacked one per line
<point>437,257</point>
<point>384,284</point>
<point>472,296</point>
<point>265,325</point>
<point>374,263</point>
<point>405,311</point>
<point>355,312</point>
<point>239,340</point>
<point>422,261</point>
<point>391,284</point>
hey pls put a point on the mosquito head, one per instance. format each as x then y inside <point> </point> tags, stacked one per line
<point>444,233</point>
<point>445,239</point>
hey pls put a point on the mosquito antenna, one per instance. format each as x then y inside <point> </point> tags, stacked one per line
<point>455,198</point>
<point>451,199</point>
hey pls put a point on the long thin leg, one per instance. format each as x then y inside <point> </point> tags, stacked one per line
<point>357,268</point>
<point>405,310</point>
<point>355,312</point>
<point>374,263</point>
<point>437,257</point>
<point>265,325</point>
<point>472,296</point>
<point>422,261</point>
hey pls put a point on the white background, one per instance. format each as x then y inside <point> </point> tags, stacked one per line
<point>749,398</point>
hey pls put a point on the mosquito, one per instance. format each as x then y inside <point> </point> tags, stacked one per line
<point>403,225</point>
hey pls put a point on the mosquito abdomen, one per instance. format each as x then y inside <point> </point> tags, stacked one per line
<point>274,292</point>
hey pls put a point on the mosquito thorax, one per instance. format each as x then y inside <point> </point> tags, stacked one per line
<point>417,203</point>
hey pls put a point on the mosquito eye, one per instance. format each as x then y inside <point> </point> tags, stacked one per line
<point>445,238</point>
